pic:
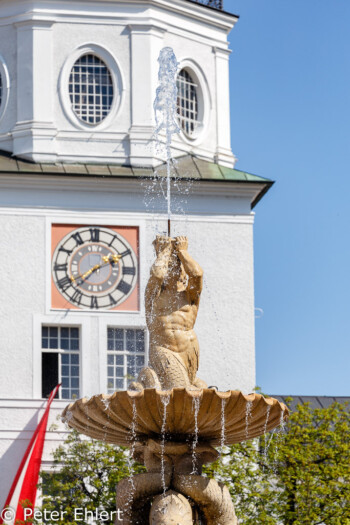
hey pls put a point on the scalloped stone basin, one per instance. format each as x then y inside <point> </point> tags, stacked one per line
<point>111,418</point>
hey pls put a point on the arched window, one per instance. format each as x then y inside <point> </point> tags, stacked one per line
<point>187,102</point>
<point>1,89</point>
<point>91,89</point>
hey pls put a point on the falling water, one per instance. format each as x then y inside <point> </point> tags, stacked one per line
<point>268,409</point>
<point>282,426</point>
<point>130,457</point>
<point>105,402</point>
<point>106,405</point>
<point>165,110</point>
<point>248,415</point>
<point>223,423</point>
<point>87,408</point>
<point>68,416</point>
<point>165,401</point>
<point>278,437</point>
<point>195,406</point>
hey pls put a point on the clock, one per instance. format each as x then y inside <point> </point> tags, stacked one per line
<point>94,267</point>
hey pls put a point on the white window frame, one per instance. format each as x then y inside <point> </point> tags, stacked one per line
<point>189,87</point>
<point>118,86</point>
<point>86,386</point>
<point>5,79</point>
<point>204,102</point>
<point>60,352</point>
<point>94,109</point>
<point>117,322</point>
<point>125,353</point>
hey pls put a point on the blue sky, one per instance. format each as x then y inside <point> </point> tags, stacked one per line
<point>290,121</point>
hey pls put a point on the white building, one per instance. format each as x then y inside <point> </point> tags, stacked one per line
<point>77,166</point>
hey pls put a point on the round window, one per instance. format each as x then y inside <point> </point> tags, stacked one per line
<point>91,89</point>
<point>187,102</point>
<point>1,89</point>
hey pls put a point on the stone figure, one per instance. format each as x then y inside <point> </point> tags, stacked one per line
<point>171,302</point>
<point>164,430</point>
<point>183,485</point>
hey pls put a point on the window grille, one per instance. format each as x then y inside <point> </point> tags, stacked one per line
<point>60,360</point>
<point>125,357</point>
<point>217,4</point>
<point>187,102</point>
<point>91,89</point>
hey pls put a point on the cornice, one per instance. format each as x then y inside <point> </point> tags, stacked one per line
<point>60,10</point>
<point>252,191</point>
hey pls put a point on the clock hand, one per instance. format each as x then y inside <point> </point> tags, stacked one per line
<point>106,259</point>
<point>89,272</point>
<point>111,258</point>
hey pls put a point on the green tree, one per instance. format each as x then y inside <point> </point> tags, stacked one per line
<point>85,475</point>
<point>297,477</point>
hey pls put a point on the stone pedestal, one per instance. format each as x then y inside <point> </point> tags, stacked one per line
<point>173,491</point>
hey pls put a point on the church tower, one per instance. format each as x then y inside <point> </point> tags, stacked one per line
<point>79,78</point>
<point>79,176</point>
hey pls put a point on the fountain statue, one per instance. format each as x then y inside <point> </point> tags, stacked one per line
<point>168,418</point>
<point>172,300</point>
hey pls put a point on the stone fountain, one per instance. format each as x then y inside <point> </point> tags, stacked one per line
<point>170,419</point>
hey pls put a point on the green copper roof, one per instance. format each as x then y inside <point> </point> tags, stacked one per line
<point>186,167</point>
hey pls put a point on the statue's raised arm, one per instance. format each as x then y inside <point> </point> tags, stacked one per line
<point>192,269</point>
<point>159,269</point>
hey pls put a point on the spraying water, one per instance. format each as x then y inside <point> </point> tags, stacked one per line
<point>165,110</point>
<point>165,401</point>
<point>195,406</point>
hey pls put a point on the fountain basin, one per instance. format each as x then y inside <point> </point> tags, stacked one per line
<point>111,418</point>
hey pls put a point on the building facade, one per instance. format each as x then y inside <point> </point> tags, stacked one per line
<point>81,200</point>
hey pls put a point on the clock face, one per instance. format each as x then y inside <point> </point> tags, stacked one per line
<point>94,267</point>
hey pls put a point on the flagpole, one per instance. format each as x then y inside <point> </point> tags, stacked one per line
<point>27,452</point>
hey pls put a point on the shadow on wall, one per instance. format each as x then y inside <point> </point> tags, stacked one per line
<point>11,459</point>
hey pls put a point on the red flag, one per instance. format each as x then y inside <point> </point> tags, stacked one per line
<point>29,486</point>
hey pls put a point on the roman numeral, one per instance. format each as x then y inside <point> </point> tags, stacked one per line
<point>127,252</point>
<point>77,238</point>
<point>94,234</point>
<point>64,283</point>
<point>113,239</point>
<point>124,287</point>
<point>129,270</point>
<point>68,252</point>
<point>111,298</point>
<point>94,302</point>
<point>76,298</point>
<point>60,267</point>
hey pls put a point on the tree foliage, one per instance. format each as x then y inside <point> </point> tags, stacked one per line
<point>300,476</point>
<point>85,475</point>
